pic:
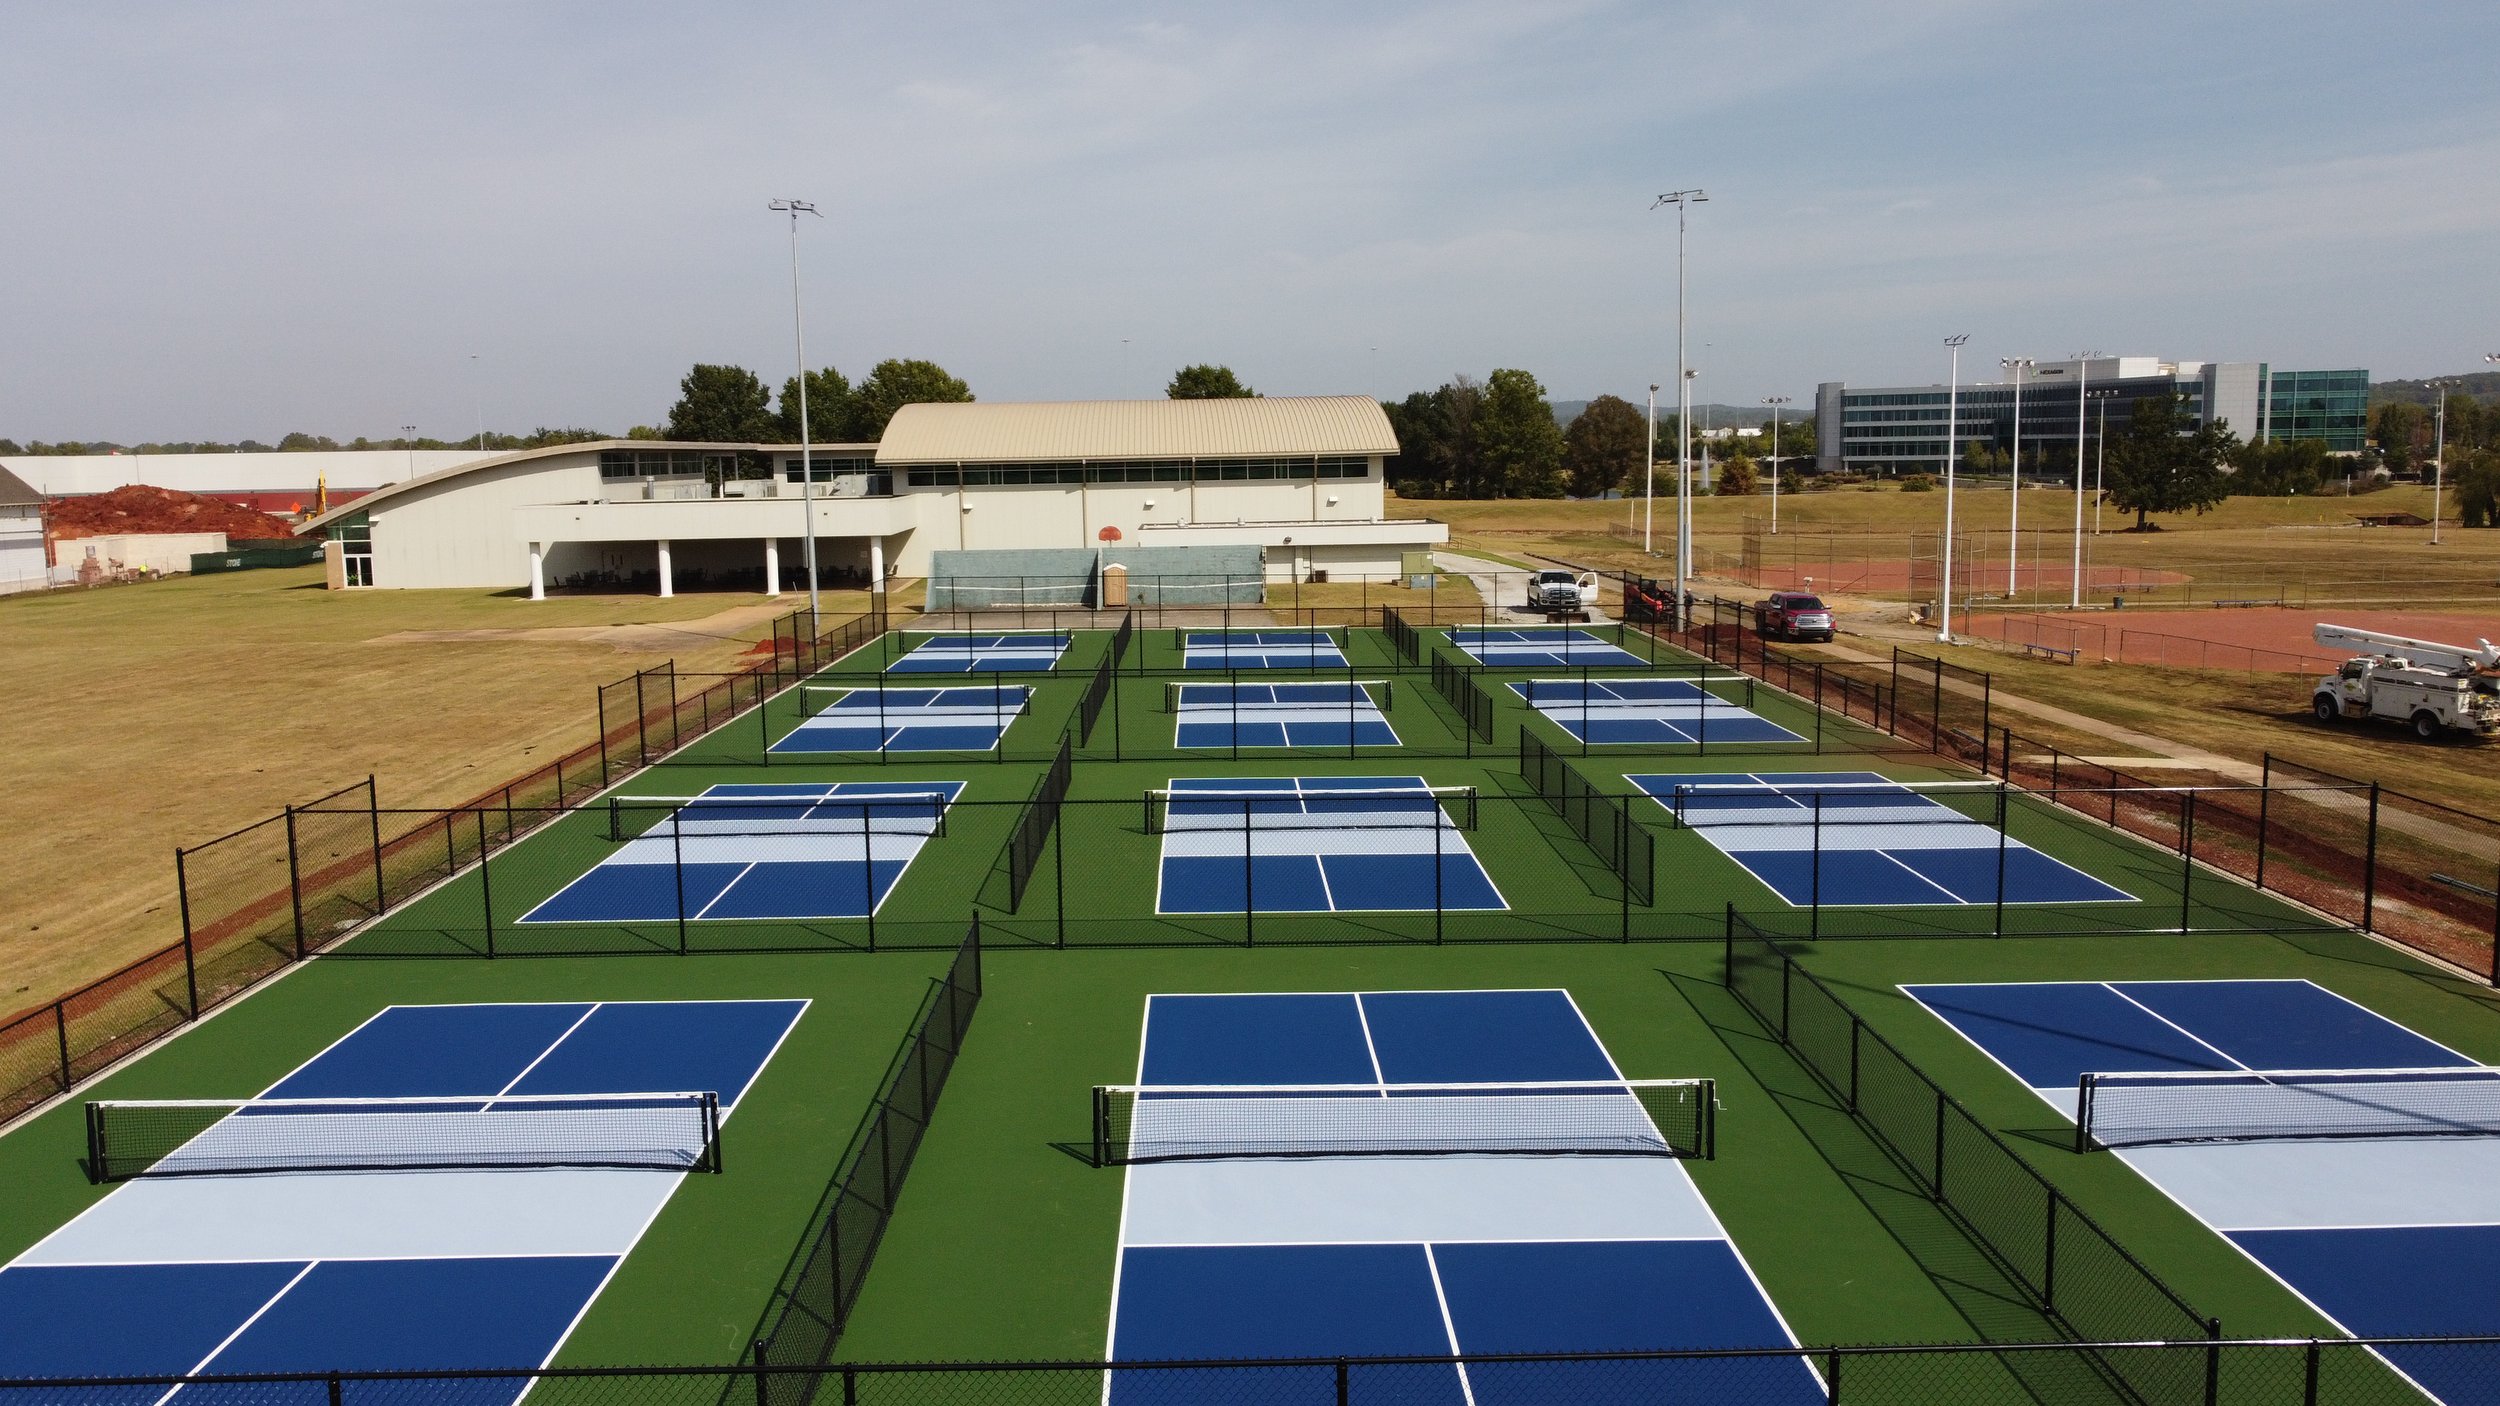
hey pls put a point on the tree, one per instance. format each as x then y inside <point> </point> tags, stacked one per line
<point>2396,426</point>
<point>829,409</point>
<point>1605,446</point>
<point>1797,439</point>
<point>1207,383</point>
<point>1521,444</point>
<point>1737,475</point>
<point>2478,490</point>
<point>723,405</point>
<point>298,440</point>
<point>893,384</point>
<point>2278,468</point>
<point>1437,452</point>
<point>2161,464</point>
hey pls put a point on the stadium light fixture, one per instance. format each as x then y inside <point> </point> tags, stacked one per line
<point>1775,402</point>
<point>2439,458</point>
<point>1952,422</point>
<point>807,454</point>
<point>1682,200</point>
<point>2014,521</point>
<point>2083,377</point>
<point>1649,469</point>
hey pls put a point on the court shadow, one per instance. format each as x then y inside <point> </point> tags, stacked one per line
<point>1081,1151</point>
<point>1965,1274</point>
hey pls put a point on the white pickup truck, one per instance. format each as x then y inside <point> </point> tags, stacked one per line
<point>1557,590</point>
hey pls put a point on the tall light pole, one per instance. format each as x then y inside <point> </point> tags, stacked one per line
<point>477,383</point>
<point>1649,469</point>
<point>2439,459</point>
<point>2083,380</point>
<point>2100,452</point>
<point>1952,422</point>
<point>1681,200</point>
<point>2014,520</point>
<point>807,454</point>
<point>1775,402</point>
<point>408,444</point>
<point>1684,489</point>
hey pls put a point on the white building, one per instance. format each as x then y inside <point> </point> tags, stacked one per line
<point>22,562</point>
<point>1297,478</point>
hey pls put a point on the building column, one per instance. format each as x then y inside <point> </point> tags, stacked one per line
<point>538,571</point>
<point>876,563</point>
<point>667,586</point>
<point>772,566</point>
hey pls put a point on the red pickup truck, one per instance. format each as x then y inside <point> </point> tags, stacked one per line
<point>1793,615</point>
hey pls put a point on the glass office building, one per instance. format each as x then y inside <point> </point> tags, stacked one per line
<point>1901,429</point>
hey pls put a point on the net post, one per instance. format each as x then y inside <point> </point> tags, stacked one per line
<point>1102,1126</point>
<point>96,1149</point>
<point>485,886</point>
<point>294,883</point>
<point>2083,1112</point>
<point>373,813</point>
<point>763,725</point>
<point>190,956</point>
<point>2369,865</point>
<point>711,1133</point>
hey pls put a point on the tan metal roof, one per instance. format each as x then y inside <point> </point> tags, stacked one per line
<point>15,492</point>
<point>554,451</point>
<point>1047,431</point>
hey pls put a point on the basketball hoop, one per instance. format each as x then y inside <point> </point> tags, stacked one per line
<point>1108,534</point>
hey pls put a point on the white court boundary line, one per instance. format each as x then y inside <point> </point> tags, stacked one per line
<point>1908,989</point>
<point>1432,1267</point>
<point>615,1262</point>
<point>1251,848</point>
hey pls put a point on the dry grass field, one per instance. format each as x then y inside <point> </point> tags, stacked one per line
<point>146,717</point>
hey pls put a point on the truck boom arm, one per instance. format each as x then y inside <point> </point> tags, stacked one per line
<point>2426,653</point>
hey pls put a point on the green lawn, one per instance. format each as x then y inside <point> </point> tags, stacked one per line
<point>1003,1244</point>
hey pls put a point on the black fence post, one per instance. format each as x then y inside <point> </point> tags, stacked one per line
<point>1249,883</point>
<point>2369,866</point>
<point>294,884</point>
<point>1059,869</point>
<point>642,714</point>
<point>677,868</point>
<point>601,693</point>
<point>190,957</point>
<point>2265,794</point>
<point>2003,822</point>
<point>60,1041</point>
<point>485,884</point>
<point>373,810</point>
<point>2187,854</point>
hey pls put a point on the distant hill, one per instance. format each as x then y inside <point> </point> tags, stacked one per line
<point>2482,385</point>
<point>1566,411</point>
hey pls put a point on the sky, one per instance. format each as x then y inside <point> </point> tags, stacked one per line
<point>245,218</point>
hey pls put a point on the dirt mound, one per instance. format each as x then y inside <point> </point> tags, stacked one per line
<point>140,508</point>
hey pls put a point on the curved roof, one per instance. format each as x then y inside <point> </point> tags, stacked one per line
<point>551,451</point>
<point>1040,431</point>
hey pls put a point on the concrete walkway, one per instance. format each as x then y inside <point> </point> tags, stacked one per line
<point>1503,587</point>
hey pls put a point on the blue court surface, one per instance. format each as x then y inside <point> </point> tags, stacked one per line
<point>2386,1236</point>
<point>797,850</point>
<point>1260,649</point>
<point>910,720</point>
<point>1645,712</point>
<point>1316,844</point>
<point>1879,843</point>
<point>1499,648</point>
<point>437,1270</point>
<point>1315,714</point>
<point>1010,653</point>
<point>1423,1256</point>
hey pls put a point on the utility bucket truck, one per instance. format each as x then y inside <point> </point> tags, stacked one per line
<point>2434,688</point>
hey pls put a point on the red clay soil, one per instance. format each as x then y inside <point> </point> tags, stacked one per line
<point>2259,639</point>
<point>140,508</point>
